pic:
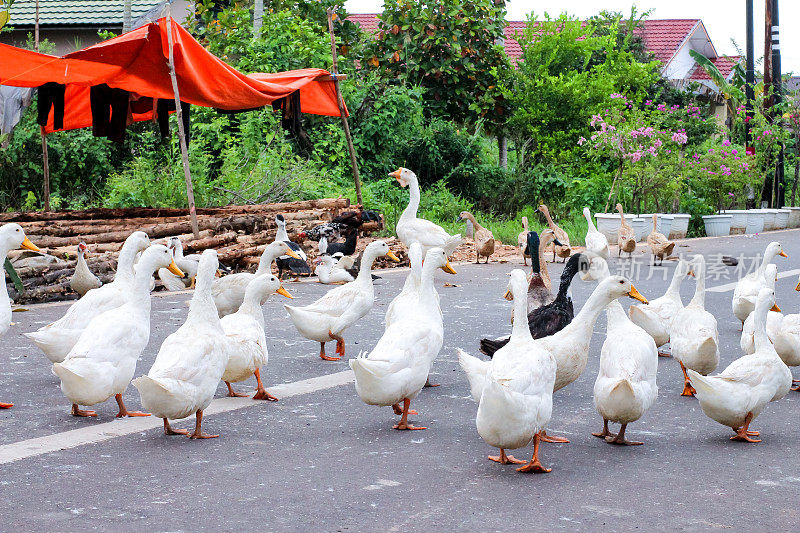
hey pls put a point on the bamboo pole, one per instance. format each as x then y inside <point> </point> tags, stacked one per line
<point>46,168</point>
<point>340,103</point>
<point>181,133</point>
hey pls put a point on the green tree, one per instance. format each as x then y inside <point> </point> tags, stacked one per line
<point>451,49</point>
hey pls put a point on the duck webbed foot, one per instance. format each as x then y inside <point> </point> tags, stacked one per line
<point>261,392</point>
<point>124,412</point>
<point>169,431</point>
<point>339,343</point>
<point>325,357</point>
<point>399,410</point>
<point>534,466</point>
<point>198,432</point>
<point>688,390</point>
<point>504,459</point>
<point>403,424</point>
<point>76,411</point>
<point>605,433</point>
<point>232,393</point>
<point>743,433</point>
<point>429,384</point>
<point>620,439</point>
<point>544,437</point>
<point>796,385</point>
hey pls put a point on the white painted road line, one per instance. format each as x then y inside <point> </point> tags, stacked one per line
<point>17,451</point>
<point>730,286</point>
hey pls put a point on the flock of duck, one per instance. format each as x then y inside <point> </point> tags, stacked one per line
<point>95,346</point>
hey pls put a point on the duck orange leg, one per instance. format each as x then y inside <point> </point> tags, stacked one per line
<point>504,459</point>
<point>198,432</point>
<point>169,431</point>
<point>429,384</point>
<point>403,424</point>
<point>743,434</point>
<point>534,465</point>
<point>339,343</point>
<point>399,410</point>
<point>544,437</point>
<point>327,357</point>
<point>688,390</point>
<point>4,405</point>
<point>619,438</point>
<point>261,392</point>
<point>232,394</point>
<point>124,412</point>
<point>605,433</point>
<point>82,412</point>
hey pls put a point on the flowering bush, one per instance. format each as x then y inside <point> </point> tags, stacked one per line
<point>720,174</point>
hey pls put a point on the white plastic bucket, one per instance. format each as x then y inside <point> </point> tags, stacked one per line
<point>755,221</point>
<point>718,225</point>
<point>739,221</point>
<point>680,226</point>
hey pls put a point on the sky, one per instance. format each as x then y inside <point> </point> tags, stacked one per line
<point>724,19</point>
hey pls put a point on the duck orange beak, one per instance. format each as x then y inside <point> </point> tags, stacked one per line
<point>390,255</point>
<point>175,270</point>
<point>284,292</point>
<point>508,295</point>
<point>783,254</point>
<point>798,286</point>
<point>28,245</point>
<point>637,295</point>
<point>776,308</point>
<point>292,253</point>
<point>449,269</point>
<point>395,174</point>
<point>691,273</point>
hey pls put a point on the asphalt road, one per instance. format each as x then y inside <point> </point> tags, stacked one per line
<point>321,460</point>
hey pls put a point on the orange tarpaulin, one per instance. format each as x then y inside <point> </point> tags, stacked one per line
<point>137,62</point>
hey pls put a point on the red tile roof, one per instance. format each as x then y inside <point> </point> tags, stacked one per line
<point>724,64</point>
<point>662,37</point>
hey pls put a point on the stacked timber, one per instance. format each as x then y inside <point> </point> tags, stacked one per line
<point>238,233</point>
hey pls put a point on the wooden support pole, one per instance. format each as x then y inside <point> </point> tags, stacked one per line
<point>46,168</point>
<point>340,102</point>
<point>181,133</point>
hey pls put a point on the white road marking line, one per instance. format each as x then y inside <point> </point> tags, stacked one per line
<point>730,286</point>
<point>16,451</point>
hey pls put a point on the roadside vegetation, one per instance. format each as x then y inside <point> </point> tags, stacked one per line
<point>587,118</point>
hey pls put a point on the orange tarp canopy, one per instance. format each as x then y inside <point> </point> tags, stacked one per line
<point>137,62</point>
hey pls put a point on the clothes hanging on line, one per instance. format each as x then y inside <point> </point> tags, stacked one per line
<point>163,107</point>
<point>110,109</point>
<point>13,100</point>
<point>51,96</point>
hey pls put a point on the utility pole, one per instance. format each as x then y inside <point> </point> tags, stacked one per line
<point>126,16</point>
<point>777,98</point>
<point>769,178</point>
<point>750,77</point>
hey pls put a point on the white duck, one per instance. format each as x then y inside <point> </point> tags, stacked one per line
<point>402,304</point>
<point>397,368</point>
<point>655,318</point>
<point>12,236</point>
<point>187,263</point>
<point>329,273</point>
<point>412,229</point>
<point>738,394</point>
<point>693,333</point>
<point>746,291</point>
<point>191,361</point>
<point>83,280</point>
<point>514,389</point>
<point>228,291</point>
<point>102,362</point>
<point>782,330</point>
<point>245,328</point>
<point>58,338</point>
<point>327,318</point>
<point>596,242</point>
<point>625,387</point>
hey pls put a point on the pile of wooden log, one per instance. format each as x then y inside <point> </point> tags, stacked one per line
<point>238,233</point>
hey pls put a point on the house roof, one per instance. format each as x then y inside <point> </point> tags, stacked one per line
<point>76,12</point>
<point>724,65</point>
<point>661,37</point>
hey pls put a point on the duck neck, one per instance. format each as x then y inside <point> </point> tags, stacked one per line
<point>4,300</point>
<point>125,261</point>
<point>655,223</point>
<point>413,201</point>
<point>546,213</point>
<point>588,216</point>
<point>583,323</point>
<point>520,329</point>
<point>427,290</point>
<point>202,309</point>
<point>769,256</point>
<point>525,224</point>
<point>622,222</point>
<point>760,337</point>
<point>365,271</point>
<point>699,299</point>
<point>675,283</point>
<point>475,224</point>
<point>140,294</point>
<point>540,257</point>
<point>280,234</point>
<point>265,262</point>
<point>82,260</point>
<point>251,306</point>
